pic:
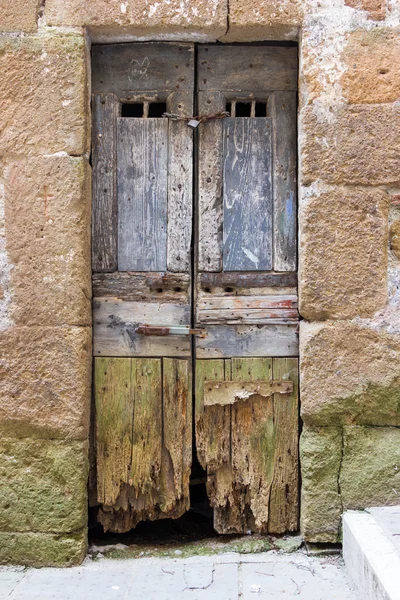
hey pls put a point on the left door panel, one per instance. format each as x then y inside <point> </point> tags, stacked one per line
<point>141,257</point>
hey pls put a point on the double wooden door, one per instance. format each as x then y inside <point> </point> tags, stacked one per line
<point>194,282</point>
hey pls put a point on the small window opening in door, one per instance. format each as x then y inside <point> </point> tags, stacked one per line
<point>143,110</point>
<point>251,108</point>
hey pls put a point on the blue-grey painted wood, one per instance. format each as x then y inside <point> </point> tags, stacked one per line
<point>247,194</point>
<point>224,341</point>
<point>104,193</point>
<point>282,106</point>
<point>142,157</point>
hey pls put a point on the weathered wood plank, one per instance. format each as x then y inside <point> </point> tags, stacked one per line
<point>252,446</point>
<point>115,322</point>
<point>213,422</point>
<point>104,192</point>
<point>114,415</point>
<point>230,392</point>
<point>210,204</point>
<point>180,183</point>
<point>247,194</point>
<point>224,341</point>
<point>240,488</point>
<point>232,309</point>
<point>283,111</point>
<point>136,501</point>
<point>177,437</point>
<point>247,280</point>
<point>284,503</point>
<point>238,68</point>
<point>255,317</point>
<point>143,287</point>
<point>142,155</point>
<point>282,301</point>
<point>147,426</point>
<point>148,477</point>
<point>127,69</point>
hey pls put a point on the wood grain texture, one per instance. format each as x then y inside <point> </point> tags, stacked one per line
<point>144,440</point>
<point>115,322</point>
<point>282,106</point>
<point>213,423</point>
<point>104,190</point>
<point>284,499</point>
<point>224,341</point>
<point>253,485</point>
<point>114,418</point>
<point>247,194</point>
<point>232,309</point>
<point>247,280</point>
<point>142,155</point>
<point>210,203</point>
<point>144,287</point>
<point>177,435</point>
<point>127,69</point>
<point>180,183</point>
<point>246,68</point>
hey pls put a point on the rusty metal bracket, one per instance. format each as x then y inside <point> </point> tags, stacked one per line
<point>161,330</point>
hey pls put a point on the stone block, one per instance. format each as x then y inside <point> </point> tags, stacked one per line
<point>372,62</point>
<point>121,21</point>
<point>344,252</point>
<point>376,9</point>
<point>19,15</point>
<point>45,376</point>
<point>320,456</point>
<point>349,375</point>
<point>370,472</point>
<point>42,549</point>
<point>267,20</point>
<point>43,485</point>
<point>44,95</point>
<point>356,144</point>
<point>47,224</point>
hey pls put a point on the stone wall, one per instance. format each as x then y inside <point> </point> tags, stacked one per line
<point>349,232</point>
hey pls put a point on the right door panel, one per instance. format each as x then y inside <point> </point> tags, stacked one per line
<point>246,287</point>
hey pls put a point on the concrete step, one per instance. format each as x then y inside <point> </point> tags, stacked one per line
<point>371,552</point>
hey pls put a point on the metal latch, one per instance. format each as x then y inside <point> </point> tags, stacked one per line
<point>169,330</point>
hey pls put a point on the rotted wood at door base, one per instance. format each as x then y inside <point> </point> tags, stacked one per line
<point>249,448</point>
<point>144,439</point>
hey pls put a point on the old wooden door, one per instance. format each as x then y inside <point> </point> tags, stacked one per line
<point>200,250</point>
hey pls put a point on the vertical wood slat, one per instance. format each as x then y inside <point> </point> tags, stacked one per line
<point>210,184</point>
<point>282,108</point>
<point>147,425</point>
<point>143,438</point>
<point>247,193</point>
<point>180,182</point>
<point>242,488</point>
<point>114,417</point>
<point>142,156</point>
<point>104,211</point>
<point>177,434</point>
<point>284,500</point>
<point>212,424</point>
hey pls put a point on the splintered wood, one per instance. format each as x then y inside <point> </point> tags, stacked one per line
<point>144,440</point>
<point>250,448</point>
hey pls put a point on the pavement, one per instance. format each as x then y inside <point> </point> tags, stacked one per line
<point>229,576</point>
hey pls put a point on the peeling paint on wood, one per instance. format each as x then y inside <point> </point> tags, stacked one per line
<point>229,392</point>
